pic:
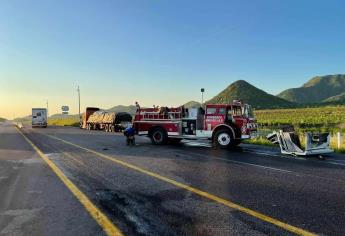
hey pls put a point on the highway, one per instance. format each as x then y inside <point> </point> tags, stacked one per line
<point>67,181</point>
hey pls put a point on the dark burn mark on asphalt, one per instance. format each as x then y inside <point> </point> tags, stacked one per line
<point>129,204</point>
<point>132,211</point>
<point>145,214</point>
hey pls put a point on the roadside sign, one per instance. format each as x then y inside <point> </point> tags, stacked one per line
<point>65,108</point>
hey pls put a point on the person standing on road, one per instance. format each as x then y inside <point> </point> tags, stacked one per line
<point>129,133</point>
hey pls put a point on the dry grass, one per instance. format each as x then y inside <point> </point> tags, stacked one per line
<point>334,144</point>
<point>71,121</point>
<point>259,141</point>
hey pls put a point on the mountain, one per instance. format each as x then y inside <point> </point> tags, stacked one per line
<point>242,90</point>
<point>316,90</point>
<point>191,104</point>
<point>120,108</point>
<point>336,99</point>
<point>23,119</point>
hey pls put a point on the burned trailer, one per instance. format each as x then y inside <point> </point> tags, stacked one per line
<point>108,121</point>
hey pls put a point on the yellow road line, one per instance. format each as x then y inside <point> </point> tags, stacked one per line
<point>108,227</point>
<point>209,196</point>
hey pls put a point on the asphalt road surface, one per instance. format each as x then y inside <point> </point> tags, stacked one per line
<point>67,181</point>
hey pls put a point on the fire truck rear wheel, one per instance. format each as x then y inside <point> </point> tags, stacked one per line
<point>159,136</point>
<point>224,139</point>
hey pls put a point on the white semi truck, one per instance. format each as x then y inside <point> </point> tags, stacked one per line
<point>39,117</point>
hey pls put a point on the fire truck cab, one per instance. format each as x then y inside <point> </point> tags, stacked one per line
<point>225,125</point>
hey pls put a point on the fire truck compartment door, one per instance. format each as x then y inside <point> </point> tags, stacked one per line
<point>189,126</point>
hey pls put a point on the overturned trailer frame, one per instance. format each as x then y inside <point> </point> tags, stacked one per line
<point>289,143</point>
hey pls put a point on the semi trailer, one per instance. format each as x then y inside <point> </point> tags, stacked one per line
<point>39,118</point>
<point>97,119</point>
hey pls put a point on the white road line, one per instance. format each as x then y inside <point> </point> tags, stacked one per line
<point>246,163</point>
<point>335,163</point>
<point>260,166</point>
<point>264,153</point>
<point>332,159</point>
<point>297,174</point>
<point>275,155</point>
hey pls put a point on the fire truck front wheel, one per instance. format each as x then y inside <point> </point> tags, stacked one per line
<point>223,139</point>
<point>159,136</point>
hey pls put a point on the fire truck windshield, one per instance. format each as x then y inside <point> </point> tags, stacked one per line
<point>248,111</point>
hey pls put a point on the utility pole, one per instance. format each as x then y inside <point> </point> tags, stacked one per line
<point>79,101</point>
<point>47,109</point>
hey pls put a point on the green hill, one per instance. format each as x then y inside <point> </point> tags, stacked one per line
<point>316,90</point>
<point>2,119</point>
<point>23,119</point>
<point>246,92</point>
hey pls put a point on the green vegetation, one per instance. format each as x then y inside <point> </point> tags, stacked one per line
<point>259,141</point>
<point>316,119</point>
<point>242,90</point>
<point>328,118</point>
<point>2,119</point>
<point>317,90</point>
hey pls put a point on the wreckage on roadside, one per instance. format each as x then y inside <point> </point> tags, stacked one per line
<point>316,144</point>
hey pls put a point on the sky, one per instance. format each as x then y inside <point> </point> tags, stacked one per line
<point>160,52</point>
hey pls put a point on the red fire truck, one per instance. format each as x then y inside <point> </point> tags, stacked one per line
<point>224,125</point>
